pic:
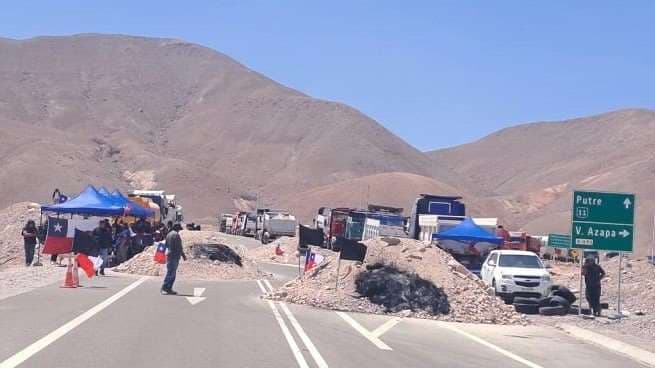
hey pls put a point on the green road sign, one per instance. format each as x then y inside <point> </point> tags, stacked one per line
<point>603,221</point>
<point>559,241</point>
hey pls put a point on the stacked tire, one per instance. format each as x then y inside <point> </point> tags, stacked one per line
<point>557,303</point>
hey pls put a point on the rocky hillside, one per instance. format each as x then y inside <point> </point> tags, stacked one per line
<point>530,170</point>
<point>143,112</point>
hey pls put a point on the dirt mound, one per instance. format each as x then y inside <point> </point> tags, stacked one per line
<point>267,253</point>
<point>12,221</point>
<point>408,278</point>
<point>637,297</point>
<point>207,260</point>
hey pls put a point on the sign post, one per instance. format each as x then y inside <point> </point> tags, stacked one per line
<point>602,221</point>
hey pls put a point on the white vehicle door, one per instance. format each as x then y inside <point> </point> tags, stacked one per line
<point>488,268</point>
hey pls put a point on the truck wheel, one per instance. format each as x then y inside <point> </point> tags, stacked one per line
<point>553,311</point>
<point>526,308</point>
<point>558,301</point>
<point>565,293</point>
<point>523,300</point>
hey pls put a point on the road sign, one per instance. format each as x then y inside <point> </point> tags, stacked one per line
<point>559,241</point>
<point>603,221</point>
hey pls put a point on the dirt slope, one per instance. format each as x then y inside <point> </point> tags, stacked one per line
<point>99,108</point>
<point>389,189</point>
<point>530,170</point>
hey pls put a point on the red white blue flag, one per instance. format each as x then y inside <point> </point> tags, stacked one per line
<point>160,253</point>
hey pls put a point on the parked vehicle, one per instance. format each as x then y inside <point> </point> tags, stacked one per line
<point>272,224</point>
<point>248,224</point>
<point>427,204</point>
<point>168,207</point>
<point>225,222</point>
<point>514,273</point>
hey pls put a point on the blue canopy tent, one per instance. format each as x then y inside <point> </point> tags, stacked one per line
<point>468,231</point>
<point>131,208</point>
<point>88,203</point>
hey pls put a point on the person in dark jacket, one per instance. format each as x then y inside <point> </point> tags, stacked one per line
<point>29,241</point>
<point>593,274</point>
<point>175,251</point>
<point>102,236</point>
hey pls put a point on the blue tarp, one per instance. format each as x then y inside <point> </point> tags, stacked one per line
<point>89,202</point>
<point>131,208</point>
<point>468,231</point>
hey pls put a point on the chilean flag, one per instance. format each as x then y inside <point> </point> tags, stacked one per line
<point>59,239</point>
<point>310,260</point>
<point>160,253</point>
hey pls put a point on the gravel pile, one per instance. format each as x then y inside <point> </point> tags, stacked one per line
<point>212,266</point>
<point>12,221</point>
<point>637,296</point>
<point>401,277</point>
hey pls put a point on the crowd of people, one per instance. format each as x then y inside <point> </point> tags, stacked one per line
<point>114,242</point>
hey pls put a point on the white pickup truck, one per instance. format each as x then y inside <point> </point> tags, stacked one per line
<point>516,273</point>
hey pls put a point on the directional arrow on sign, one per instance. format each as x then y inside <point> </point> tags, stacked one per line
<point>627,203</point>
<point>197,296</point>
<point>624,233</point>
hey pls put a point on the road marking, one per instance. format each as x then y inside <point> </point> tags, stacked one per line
<point>366,333</point>
<point>48,339</point>
<point>491,346</point>
<point>320,362</point>
<point>386,326</point>
<point>302,363</point>
<point>197,296</point>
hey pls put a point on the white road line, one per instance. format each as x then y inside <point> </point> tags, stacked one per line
<point>261,287</point>
<point>318,358</point>
<point>491,346</point>
<point>197,292</point>
<point>48,339</point>
<point>285,331</point>
<point>359,328</point>
<point>386,326</point>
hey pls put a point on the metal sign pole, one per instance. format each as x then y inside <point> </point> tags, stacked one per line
<point>336,282</point>
<point>620,271</point>
<point>652,247</point>
<point>580,252</point>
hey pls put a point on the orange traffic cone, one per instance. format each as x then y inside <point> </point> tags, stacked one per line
<point>68,281</point>
<point>76,275</point>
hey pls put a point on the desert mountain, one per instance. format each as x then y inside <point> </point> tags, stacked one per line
<point>134,112</point>
<point>394,189</point>
<point>529,171</point>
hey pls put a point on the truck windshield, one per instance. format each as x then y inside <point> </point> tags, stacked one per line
<point>520,261</point>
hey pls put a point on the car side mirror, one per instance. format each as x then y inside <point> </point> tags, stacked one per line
<point>491,263</point>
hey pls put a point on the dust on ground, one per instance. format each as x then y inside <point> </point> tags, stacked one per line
<point>637,299</point>
<point>288,247</point>
<point>401,277</point>
<point>200,267</point>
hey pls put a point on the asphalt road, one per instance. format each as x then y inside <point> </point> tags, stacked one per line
<point>123,321</point>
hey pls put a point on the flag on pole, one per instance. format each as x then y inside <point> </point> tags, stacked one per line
<point>351,249</point>
<point>59,239</point>
<point>160,253</point>
<point>308,236</point>
<point>89,264</point>
<point>310,260</point>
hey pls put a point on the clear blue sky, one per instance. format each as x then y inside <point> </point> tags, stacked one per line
<point>436,73</point>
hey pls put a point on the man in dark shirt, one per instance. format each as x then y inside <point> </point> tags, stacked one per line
<point>102,236</point>
<point>29,237</point>
<point>175,251</point>
<point>593,273</point>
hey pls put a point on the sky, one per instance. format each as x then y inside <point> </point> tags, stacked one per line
<point>435,73</point>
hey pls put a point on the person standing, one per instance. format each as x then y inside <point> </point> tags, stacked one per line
<point>175,251</point>
<point>102,237</point>
<point>593,274</point>
<point>29,241</point>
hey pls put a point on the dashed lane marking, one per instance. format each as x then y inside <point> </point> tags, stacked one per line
<point>386,326</point>
<point>53,336</point>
